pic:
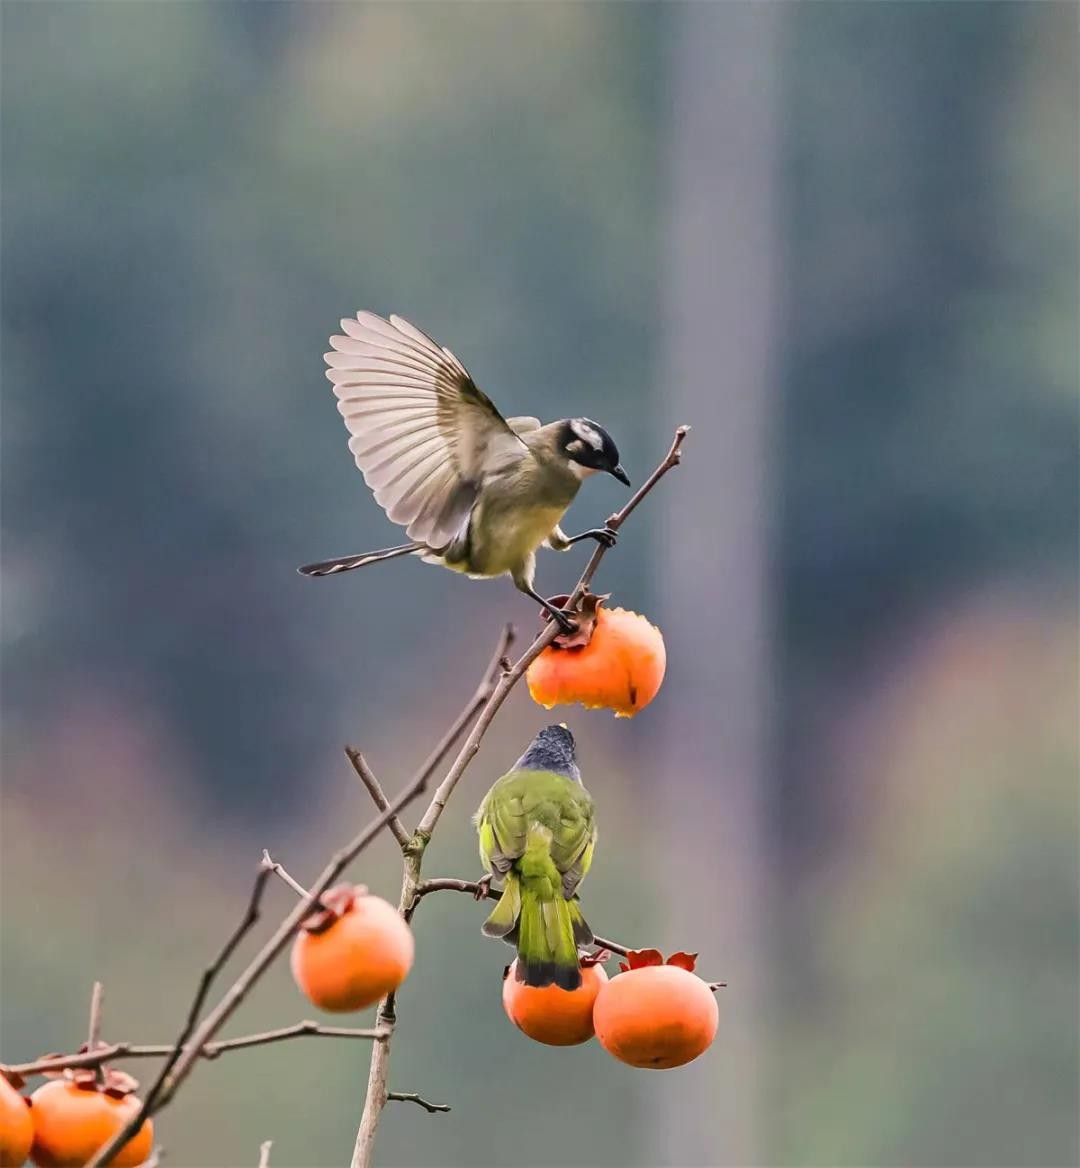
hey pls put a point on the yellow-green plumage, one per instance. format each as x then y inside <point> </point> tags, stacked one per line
<point>537,834</point>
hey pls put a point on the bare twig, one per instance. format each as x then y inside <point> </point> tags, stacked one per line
<point>471,745</point>
<point>304,1029</point>
<point>412,1097</point>
<point>494,674</point>
<point>449,884</point>
<point>671,459</point>
<point>93,1036</point>
<point>116,1051</point>
<point>269,862</point>
<point>157,1089</point>
<point>189,1046</point>
<point>378,795</point>
<point>264,1153</point>
<point>97,996</point>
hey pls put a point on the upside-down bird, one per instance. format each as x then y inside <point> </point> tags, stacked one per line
<point>537,835</point>
<point>475,492</point>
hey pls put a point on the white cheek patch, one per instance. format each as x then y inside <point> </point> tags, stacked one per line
<point>575,447</point>
<point>587,433</point>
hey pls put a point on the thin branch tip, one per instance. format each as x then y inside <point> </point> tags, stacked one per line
<point>378,796</point>
<point>412,1097</point>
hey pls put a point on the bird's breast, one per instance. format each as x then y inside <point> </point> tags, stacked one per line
<point>505,532</point>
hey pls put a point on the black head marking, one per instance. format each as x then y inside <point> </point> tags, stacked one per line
<point>553,749</point>
<point>590,445</point>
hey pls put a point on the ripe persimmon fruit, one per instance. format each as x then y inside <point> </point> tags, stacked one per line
<point>656,1015</point>
<point>352,951</point>
<point>75,1115</point>
<point>550,1014</point>
<point>615,660</point>
<point>16,1125</point>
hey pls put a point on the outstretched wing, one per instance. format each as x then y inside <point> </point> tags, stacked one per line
<point>422,433</point>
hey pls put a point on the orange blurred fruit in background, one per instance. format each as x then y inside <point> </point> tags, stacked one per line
<point>16,1126</point>
<point>72,1121</point>
<point>353,953</point>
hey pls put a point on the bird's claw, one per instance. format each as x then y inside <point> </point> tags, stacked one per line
<point>483,887</point>
<point>608,536</point>
<point>563,620</point>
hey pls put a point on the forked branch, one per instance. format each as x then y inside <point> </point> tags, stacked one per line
<point>196,1039</point>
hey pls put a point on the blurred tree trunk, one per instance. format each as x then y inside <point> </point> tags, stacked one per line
<point>712,574</point>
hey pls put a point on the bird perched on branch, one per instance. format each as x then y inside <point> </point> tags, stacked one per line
<point>537,835</point>
<point>475,492</point>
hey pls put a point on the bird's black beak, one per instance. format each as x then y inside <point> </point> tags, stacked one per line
<point>621,475</point>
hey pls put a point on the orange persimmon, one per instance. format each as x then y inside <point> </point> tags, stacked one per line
<point>616,660</point>
<point>352,952</point>
<point>550,1014</point>
<point>75,1115</point>
<point>16,1125</point>
<point>654,1015</point>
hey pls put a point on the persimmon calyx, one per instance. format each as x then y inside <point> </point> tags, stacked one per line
<point>640,958</point>
<point>584,617</point>
<point>332,906</point>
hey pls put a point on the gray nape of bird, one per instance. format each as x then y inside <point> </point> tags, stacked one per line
<point>475,492</point>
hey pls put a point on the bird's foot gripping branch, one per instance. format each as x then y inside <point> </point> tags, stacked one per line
<point>329,920</point>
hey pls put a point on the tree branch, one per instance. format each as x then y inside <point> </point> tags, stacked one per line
<point>150,1103</point>
<point>378,795</point>
<point>671,460</point>
<point>195,1037</point>
<point>510,677</point>
<point>412,1097</point>
<point>116,1051</point>
<point>264,1153</point>
<point>94,1029</point>
<point>449,884</point>
<point>377,1093</point>
<point>186,1053</point>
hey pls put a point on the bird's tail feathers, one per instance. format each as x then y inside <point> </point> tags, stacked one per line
<point>347,563</point>
<point>547,950</point>
<point>583,935</point>
<point>504,916</point>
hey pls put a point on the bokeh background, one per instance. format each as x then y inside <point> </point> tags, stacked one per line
<point>838,238</point>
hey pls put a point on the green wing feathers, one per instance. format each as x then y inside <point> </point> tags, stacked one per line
<point>504,916</point>
<point>537,834</point>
